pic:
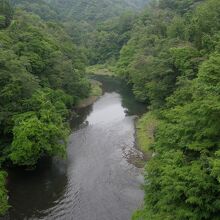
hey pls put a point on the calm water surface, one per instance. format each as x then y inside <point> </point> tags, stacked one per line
<point>96,181</point>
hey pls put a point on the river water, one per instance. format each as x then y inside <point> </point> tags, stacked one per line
<point>97,181</point>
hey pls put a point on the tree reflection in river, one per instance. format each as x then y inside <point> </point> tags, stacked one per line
<point>27,188</point>
<point>78,121</point>
<point>112,84</point>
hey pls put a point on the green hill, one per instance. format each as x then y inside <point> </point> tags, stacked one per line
<point>94,10</point>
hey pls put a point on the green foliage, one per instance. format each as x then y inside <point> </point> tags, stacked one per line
<point>180,189</point>
<point>158,57</point>
<point>181,6</point>
<point>176,29</point>
<point>32,56</point>
<point>96,89</point>
<point>16,84</point>
<point>146,127</point>
<point>178,73</point>
<point>94,11</point>
<point>100,27</point>
<point>169,54</point>
<point>41,78</point>
<point>146,61</point>
<point>107,40</point>
<point>6,13</point>
<point>205,24</point>
<point>3,194</point>
<point>186,60</point>
<point>36,60</point>
<point>39,7</point>
<point>182,180</point>
<point>39,133</point>
<point>139,215</point>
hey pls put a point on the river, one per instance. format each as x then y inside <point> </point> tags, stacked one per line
<point>97,181</point>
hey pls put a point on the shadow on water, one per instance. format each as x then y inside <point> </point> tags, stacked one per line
<point>110,85</point>
<point>33,191</point>
<point>78,121</point>
<point>113,84</point>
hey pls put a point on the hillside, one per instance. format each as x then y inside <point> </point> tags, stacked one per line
<point>94,10</point>
<point>169,55</point>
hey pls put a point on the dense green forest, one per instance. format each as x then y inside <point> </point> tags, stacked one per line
<point>93,11</point>
<point>169,54</point>
<point>45,47</point>
<point>172,61</point>
<point>41,77</point>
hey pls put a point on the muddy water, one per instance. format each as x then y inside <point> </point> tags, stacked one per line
<point>96,181</point>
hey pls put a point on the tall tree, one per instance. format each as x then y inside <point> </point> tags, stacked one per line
<point>6,13</point>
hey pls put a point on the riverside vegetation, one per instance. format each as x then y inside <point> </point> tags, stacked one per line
<point>172,60</point>
<point>40,79</point>
<point>43,57</point>
<point>169,54</point>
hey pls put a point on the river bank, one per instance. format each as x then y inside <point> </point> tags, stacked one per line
<point>100,69</point>
<point>97,181</point>
<point>96,86</point>
<point>96,92</point>
<point>145,133</point>
<point>145,124</point>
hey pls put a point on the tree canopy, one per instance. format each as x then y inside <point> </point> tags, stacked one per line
<point>6,13</point>
<point>172,61</point>
<point>42,76</point>
<point>170,56</point>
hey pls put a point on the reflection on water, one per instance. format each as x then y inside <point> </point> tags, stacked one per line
<point>111,84</point>
<point>79,121</point>
<point>33,191</point>
<point>125,96</point>
<point>95,182</point>
<point>106,110</point>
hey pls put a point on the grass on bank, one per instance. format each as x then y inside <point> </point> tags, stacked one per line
<point>96,92</point>
<point>96,88</point>
<point>100,69</point>
<point>145,130</point>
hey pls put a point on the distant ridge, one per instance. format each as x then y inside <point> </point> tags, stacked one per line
<point>94,10</point>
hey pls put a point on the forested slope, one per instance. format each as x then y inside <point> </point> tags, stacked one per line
<point>101,27</point>
<point>169,54</point>
<point>172,61</point>
<point>38,7</point>
<point>94,10</point>
<point>45,46</point>
<point>41,77</point>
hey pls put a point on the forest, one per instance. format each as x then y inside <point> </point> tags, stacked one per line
<point>168,52</point>
<point>40,79</point>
